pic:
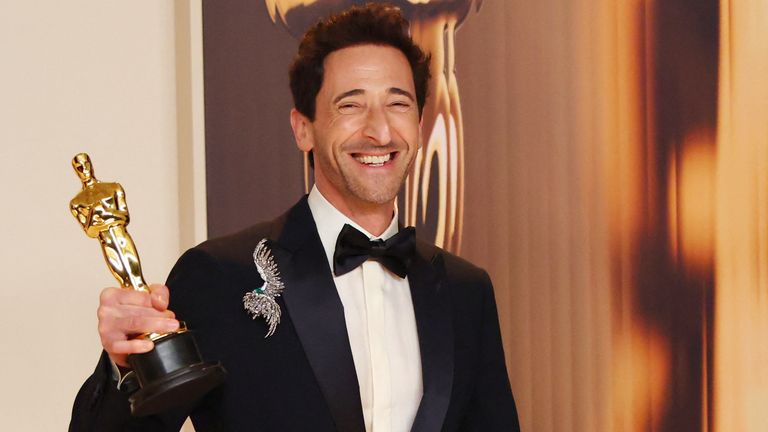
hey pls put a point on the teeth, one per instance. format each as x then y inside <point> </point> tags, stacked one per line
<point>374,160</point>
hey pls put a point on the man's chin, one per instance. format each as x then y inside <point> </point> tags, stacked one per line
<point>373,190</point>
<point>377,199</point>
<point>374,195</point>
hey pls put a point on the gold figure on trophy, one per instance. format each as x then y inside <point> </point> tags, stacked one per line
<point>173,373</point>
<point>102,211</point>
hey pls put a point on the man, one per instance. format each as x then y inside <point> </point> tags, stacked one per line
<point>405,340</point>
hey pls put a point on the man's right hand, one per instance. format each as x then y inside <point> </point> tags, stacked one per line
<point>124,313</point>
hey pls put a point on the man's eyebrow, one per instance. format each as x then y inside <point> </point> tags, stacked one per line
<point>356,92</point>
<point>353,92</point>
<point>399,91</point>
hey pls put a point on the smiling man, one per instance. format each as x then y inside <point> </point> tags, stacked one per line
<point>364,133</point>
<point>372,329</point>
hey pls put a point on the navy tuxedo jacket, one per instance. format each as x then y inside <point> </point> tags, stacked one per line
<point>303,377</point>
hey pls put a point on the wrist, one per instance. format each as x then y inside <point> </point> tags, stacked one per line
<point>122,375</point>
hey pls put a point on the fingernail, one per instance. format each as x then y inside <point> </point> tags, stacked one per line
<point>172,324</point>
<point>160,298</point>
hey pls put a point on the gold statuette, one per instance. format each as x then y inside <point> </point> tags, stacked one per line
<point>101,210</point>
<point>172,374</point>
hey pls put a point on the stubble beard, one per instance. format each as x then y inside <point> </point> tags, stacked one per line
<point>380,193</point>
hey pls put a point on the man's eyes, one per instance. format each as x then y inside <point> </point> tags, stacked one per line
<point>400,104</point>
<point>349,107</point>
<point>354,107</point>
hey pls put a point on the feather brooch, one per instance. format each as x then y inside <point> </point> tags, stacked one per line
<point>261,301</point>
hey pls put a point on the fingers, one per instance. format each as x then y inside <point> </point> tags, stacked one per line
<point>117,334</point>
<point>119,350</point>
<point>111,312</point>
<point>130,320</point>
<point>121,296</point>
<point>159,296</point>
<point>130,346</point>
<point>144,324</point>
<point>123,314</point>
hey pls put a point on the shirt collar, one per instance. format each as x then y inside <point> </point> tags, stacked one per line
<point>329,221</point>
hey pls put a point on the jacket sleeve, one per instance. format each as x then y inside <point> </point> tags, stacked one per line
<point>100,406</point>
<point>492,407</point>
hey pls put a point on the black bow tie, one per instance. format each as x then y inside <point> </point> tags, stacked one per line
<point>353,248</point>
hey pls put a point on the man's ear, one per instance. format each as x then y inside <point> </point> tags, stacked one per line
<point>302,131</point>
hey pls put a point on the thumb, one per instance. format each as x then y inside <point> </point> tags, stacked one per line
<point>160,296</point>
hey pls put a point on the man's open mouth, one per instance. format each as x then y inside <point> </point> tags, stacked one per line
<point>374,161</point>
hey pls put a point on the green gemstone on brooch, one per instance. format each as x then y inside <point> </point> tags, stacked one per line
<point>259,290</point>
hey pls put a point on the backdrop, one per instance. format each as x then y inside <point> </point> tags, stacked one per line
<point>583,151</point>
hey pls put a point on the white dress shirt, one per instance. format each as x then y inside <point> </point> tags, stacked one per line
<point>381,325</point>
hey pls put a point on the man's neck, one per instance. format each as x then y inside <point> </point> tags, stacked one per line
<point>374,218</point>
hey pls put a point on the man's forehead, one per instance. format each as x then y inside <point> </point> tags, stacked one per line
<point>365,53</point>
<point>383,65</point>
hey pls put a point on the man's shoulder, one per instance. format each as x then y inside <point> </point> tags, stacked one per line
<point>455,268</point>
<point>239,245</point>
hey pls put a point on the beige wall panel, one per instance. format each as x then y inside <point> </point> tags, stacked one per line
<point>95,76</point>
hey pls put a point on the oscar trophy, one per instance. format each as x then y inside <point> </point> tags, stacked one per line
<point>172,374</point>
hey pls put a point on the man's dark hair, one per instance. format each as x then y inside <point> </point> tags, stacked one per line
<point>374,23</point>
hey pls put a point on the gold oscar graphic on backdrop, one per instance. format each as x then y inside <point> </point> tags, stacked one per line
<point>433,27</point>
<point>173,373</point>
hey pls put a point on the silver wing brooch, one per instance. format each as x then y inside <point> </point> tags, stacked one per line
<point>261,301</point>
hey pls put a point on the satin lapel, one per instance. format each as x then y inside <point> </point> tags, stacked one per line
<point>316,311</point>
<point>435,329</point>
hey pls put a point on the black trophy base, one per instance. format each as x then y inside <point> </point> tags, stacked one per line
<point>172,375</point>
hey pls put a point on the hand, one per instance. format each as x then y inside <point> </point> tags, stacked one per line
<point>123,314</point>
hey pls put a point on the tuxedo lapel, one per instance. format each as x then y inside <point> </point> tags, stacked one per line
<point>316,311</point>
<point>435,329</point>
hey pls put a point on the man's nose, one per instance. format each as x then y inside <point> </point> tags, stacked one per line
<point>377,127</point>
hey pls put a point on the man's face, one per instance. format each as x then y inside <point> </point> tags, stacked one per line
<point>366,129</point>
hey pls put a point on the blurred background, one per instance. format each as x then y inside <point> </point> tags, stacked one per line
<point>606,161</point>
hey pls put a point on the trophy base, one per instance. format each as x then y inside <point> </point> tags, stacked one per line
<point>172,375</point>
